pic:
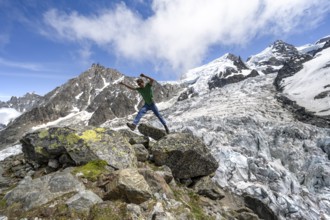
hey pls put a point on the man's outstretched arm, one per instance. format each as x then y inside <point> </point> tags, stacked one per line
<point>127,86</point>
<point>151,80</point>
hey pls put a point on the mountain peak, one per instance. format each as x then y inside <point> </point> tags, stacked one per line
<point>282,47</point>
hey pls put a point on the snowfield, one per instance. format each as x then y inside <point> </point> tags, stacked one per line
<point>311,81</point>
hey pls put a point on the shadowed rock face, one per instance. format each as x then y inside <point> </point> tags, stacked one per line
<point>150,131</point>
<point>260,208</point>
<point>185,154</point>
<point>218,81</point>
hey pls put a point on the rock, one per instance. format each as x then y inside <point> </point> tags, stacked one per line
<point>36,192</point>
<point>134,211</point>
<point>159,213</point>
<point>206,187</point>
<point>112,147</point>
<point>245,214</point>
<point>53,163</point>
<point>101,115</point>
<point>166,173</point>
<point>141,152</point>
<point>156,182</point>
<point>43,145</point>
<point>83,201</point>
<point>72,147</point>
<point>140,140</point>
<point>185,154</point>
<point>128,185</point>
<point>218,81</point>
<point>149,131</point>
<point>259,207</point>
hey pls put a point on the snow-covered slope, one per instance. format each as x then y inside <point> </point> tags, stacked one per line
<point>310,87</point>
<point>311,48</point>
<point>262,150</point>
<point>219,72</point>
<point>271,59</point>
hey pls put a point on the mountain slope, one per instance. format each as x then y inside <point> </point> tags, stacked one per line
<point>95,91</point>
<point>22,104</point>
<point>303,87</point>
<point>271,59</point>
<point>262,150</point>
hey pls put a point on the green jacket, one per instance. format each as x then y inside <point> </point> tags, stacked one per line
<point>146,93</point>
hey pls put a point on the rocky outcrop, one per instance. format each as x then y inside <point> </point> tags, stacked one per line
<point>221,80</point>
<point>185,154</point>
<point>128,185</point>
<point>83,201</point>
<point>291,67</point>
<point>301,114</point>
<point>90,188</point>
<point>71,147</point>
<point>260,208</point>
<point>206,187</point>
<point>32,193</point>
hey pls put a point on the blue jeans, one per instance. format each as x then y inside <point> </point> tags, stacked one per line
<point>144,110</point>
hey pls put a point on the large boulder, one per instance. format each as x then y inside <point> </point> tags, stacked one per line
<point>206,187</point>
<point>156,182</point>
<point>73,147</point>
<point>128,185</point>
<point>83,201</point>
<point>185,154</point>
<point>32,193</point>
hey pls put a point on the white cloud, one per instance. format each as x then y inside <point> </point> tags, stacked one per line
<point>21,65</point>
<point>8,114</point>
<point>180,32</point>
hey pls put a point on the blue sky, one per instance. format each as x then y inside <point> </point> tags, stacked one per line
<point>44,43</point>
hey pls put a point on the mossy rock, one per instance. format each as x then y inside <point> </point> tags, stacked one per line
<point>80,147</point>
<point>92,170</point>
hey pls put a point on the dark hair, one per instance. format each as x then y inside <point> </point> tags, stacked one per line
<point>139,81</point>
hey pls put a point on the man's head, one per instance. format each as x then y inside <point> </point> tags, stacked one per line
<point>140,82</point>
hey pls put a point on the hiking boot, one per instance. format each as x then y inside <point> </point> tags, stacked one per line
<point>166,129</point>
<point>131,126</point>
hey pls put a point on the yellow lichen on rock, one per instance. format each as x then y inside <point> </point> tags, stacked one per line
<point>70,139</point>
<point>43,134</point>
<point>93,135</point>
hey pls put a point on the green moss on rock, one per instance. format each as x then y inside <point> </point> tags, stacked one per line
<point>92,169</point>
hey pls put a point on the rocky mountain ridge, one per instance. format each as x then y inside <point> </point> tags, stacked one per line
<point>22,104</point>
<point>95,91</point>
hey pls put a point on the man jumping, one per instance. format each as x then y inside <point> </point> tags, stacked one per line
<point>147,94</point>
